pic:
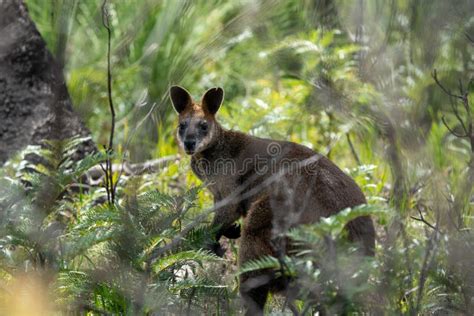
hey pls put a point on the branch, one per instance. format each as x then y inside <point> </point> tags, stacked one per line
<point>435,77</point>
<point>152,166</point>
<point>105,21</point>
<point>423,221</point>
<point>466,125</point>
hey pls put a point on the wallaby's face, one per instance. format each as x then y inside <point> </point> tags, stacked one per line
<point>197,125</point>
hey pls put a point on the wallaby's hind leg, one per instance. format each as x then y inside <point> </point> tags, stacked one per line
<point>254,299</point>
<point>254,285</point>
<point>362,231</point>
<point>254,244</point>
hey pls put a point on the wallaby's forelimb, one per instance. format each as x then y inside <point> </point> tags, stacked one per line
<point>225,218</point>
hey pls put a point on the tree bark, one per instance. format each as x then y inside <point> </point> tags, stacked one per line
<point>34,101</point>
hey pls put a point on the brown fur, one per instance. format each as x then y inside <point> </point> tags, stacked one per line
<point>271,201</point>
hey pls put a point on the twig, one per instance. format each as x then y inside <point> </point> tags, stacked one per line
<point>109,173</point>
<point>471,39</point>
<point>463,97</point>
<point>423,220</point>
<point>443,119</point>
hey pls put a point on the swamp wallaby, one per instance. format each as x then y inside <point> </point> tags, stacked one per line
<point>274,185</point>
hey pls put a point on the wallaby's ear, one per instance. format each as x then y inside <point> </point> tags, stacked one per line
<point>180,98</point>
<point>212,100</point>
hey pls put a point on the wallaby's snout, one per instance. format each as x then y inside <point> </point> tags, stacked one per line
<point>197,128</point>
<point>189,146</point>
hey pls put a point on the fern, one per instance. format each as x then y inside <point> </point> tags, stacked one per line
<point>198,237</point>
<point>94,235</point>
<point>264,263</point>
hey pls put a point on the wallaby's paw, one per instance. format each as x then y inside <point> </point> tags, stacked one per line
<point>233,232</point>
<point>216,248</point>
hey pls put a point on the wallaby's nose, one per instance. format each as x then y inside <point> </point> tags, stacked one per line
<point>189,145</point>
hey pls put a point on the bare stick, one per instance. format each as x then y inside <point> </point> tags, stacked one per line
<point>151,166</point>
<point>451,130</point>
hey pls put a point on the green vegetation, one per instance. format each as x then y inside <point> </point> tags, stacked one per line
<point>352,79</point>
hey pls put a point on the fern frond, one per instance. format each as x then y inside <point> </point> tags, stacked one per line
<point>71,284</point>
<point>70,145</point>
<point>262,263</point>
<point>199,286</point>
<point>198,237</point>
<point>75,245</point>
<point>335,224</point>
<point>86,163</point>
<point>156,199</point>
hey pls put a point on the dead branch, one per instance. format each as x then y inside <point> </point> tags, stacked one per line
<point>95,174</point>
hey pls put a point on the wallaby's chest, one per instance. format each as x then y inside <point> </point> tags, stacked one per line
<point>218,175</point>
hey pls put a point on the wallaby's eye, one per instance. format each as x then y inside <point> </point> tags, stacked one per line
<point>182,125</point>
<point>203,126</point>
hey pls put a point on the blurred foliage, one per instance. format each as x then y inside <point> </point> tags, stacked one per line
<point>102,255</point>
<point>350,79</point>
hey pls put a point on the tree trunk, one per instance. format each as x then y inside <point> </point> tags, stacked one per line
<point>34,101</point>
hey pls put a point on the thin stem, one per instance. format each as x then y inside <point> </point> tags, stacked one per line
<point>353,151</point>
<point>109,173</point>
